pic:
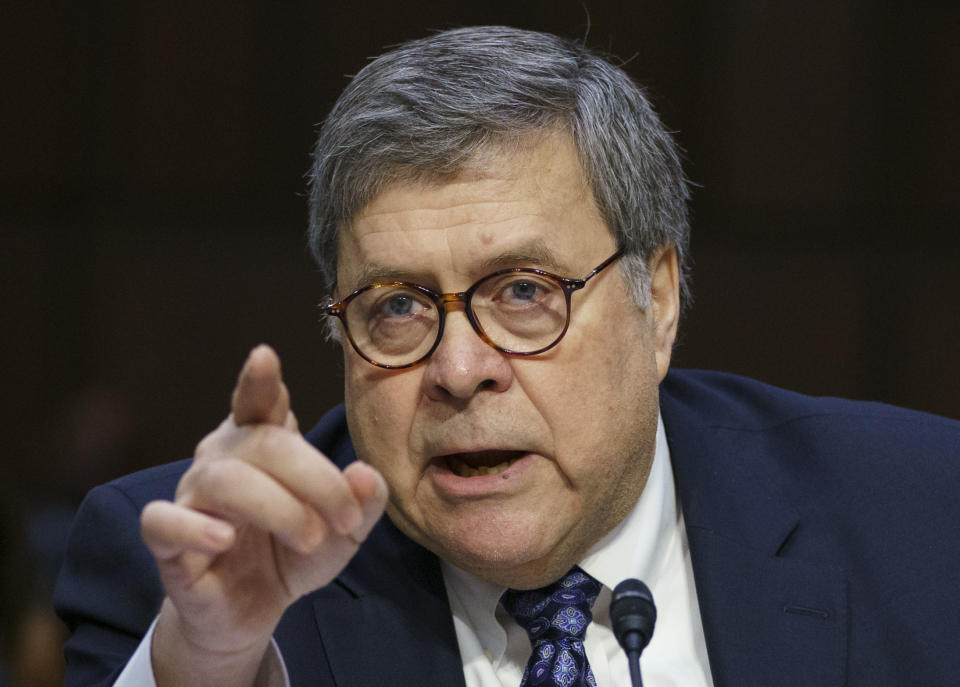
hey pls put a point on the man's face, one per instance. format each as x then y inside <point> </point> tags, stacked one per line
<point>573,427</point>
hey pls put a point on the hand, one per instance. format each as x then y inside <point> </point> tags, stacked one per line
<point>259,519</point>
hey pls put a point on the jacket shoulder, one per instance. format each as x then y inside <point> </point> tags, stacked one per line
<point>723,399</point>
<point>849,504</point>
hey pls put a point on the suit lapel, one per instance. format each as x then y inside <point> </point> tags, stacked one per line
<point>767,618</point>
<point>386,619</point>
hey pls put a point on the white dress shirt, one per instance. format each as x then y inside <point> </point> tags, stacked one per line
<point>651,545</point>
<point>139,669</point>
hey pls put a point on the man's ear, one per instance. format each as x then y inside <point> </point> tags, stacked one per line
<point>664,311</point>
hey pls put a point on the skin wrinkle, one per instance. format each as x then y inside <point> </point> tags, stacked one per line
<point>554,87</point>
<point>469,220</point>
<point>444,228</point>
<point>368,214</point>
<point>486,178</point>
<point>451,257</point>
<point>536,254</point>
<point>435,213</point>
<point>373,270</point>
<point>569,407</point>
<point>482,176</point>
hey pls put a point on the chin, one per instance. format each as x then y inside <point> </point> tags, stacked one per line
<point>516,556</point>
<point>503,546</point>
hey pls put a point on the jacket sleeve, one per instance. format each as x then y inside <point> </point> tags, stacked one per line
<point>109,590</point>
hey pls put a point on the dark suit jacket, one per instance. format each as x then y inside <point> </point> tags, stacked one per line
<point>823,534</point>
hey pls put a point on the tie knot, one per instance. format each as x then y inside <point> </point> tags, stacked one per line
<point>555,612</point>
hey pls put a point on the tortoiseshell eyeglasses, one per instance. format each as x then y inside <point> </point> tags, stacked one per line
<point>519,311</point>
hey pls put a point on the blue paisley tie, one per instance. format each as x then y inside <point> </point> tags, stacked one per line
<point>555,618</point>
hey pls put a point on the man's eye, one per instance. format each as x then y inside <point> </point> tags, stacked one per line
<point>399,305</point>
<point>522,291</point>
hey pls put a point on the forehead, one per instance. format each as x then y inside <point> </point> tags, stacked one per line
<point>532,205</point>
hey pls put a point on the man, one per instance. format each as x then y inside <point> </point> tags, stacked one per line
<point>501,222</point>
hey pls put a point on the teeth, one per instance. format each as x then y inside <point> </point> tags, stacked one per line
<point>461,469</point>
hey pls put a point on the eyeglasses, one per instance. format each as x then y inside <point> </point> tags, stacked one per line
<point>518,311</point>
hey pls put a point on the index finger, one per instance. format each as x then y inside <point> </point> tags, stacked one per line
<point>260,396</point>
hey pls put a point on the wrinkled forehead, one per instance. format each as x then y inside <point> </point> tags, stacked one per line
<point>550,154</point>
<point>528,204</point>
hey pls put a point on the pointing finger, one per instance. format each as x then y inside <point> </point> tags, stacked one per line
<point>260,396</point>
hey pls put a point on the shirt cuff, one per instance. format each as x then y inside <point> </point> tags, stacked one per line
<point>139,670</point>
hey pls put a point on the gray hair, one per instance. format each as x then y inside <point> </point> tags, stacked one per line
<point>425,110</point>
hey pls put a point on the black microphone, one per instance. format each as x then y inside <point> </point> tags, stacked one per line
<point>633,615</point>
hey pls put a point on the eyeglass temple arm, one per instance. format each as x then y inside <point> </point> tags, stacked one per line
<point>603,265</point>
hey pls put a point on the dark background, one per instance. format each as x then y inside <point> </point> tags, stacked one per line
<point>153,216</point>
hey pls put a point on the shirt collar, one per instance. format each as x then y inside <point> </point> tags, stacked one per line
<point>637,546</point>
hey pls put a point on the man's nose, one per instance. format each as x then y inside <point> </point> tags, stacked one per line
<point>463,364</point>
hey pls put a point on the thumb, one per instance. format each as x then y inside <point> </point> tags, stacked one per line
<point>260,396</point>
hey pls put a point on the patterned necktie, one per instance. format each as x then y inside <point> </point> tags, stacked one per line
<point>555,618</point>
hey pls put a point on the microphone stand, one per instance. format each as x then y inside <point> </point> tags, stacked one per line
<point>633,659</point>
<point>633,615</point>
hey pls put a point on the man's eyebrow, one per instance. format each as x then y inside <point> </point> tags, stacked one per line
<point>371,273</point>
<point>534,254</point>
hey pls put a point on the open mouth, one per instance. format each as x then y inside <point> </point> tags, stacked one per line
<point>477,463</point>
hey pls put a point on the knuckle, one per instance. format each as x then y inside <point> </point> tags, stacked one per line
<point>205,446</point>
<point>225,435</point>
<point>205,480</point>
<point>213,439</point>
<point>151,515</point>
<point>310,531</point>
<point>217,473</point>
<point>175,571</point>
<point>269,440</point>
<point>148,521</point>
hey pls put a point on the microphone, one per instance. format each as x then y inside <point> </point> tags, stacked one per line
<point>633,615</point>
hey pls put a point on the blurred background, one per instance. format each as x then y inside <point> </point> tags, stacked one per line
<point>153,218</point>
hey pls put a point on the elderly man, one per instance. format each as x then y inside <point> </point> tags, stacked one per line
<point>501,221</point>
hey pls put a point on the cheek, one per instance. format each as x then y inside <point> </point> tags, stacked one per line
<point>599,397</point>
<point>380,411</point>
<point>595,369</point>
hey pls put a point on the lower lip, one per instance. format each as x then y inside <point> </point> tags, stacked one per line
<point>449,483</point>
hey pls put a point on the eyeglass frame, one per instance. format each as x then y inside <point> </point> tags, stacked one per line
<point>568,285</point>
